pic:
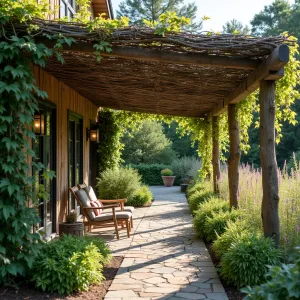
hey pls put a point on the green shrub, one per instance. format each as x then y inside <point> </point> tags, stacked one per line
<point>206,209</point>
<point>200,194</point>
<point>245,262</point>
<point>234,231</point>
<point>142,197</point>
<point>166,172</point>
<point>283,283</point>
<point>150,173</point>
<point>193,187</point>
<point>185,167</point>
<point>70,264</point>
<point>216,223</point>
<point>118,183</point>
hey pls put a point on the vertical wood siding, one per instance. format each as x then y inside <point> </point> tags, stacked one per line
<point>66,99</point>
<point>54,4</point>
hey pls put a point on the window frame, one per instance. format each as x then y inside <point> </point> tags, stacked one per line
<point>70,9</point>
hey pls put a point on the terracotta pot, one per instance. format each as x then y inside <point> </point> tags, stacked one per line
<point>71,228</point>
<point>168,180</point>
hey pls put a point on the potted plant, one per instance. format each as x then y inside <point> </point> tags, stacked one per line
<point>167,177</point>
<point>71,226</point>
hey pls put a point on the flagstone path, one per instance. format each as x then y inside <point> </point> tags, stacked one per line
<point>164,259</point>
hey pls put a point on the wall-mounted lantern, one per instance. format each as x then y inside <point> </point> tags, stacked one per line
<point>92,135</point>
<point>39,124</point>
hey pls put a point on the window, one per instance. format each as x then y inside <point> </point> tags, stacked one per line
<point>75,137</point>
<point>44,147</point>
<point>67,8</point>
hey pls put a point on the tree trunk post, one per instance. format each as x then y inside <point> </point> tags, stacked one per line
<point>234,156</point>
<point>216,154</point>
<point>270,200</point>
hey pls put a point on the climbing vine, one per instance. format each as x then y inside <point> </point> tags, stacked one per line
<point>18,102</point>
<point>286,95</point>
<point>109,150</point>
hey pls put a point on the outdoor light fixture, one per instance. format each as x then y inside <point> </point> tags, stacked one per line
<point>92,135</point>
<point>39,124</point>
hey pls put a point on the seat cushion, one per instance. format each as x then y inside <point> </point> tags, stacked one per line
<point>123,214</point>
<point>109,216</point>
<point>103,217</point>
<point>83,198</point>
<point>127,208</point>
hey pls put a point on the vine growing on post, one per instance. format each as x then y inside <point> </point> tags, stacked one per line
<point>109,150</point>
<point>18,102</point>
<point>286,95</point>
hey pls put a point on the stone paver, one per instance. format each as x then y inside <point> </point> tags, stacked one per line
<point>163,259</point>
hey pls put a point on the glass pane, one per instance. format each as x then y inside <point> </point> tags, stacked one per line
<point>37,180</point>
<point>47,181</point>
<point>75,155</point>
<point>72,3</point>
<point>63,9</point>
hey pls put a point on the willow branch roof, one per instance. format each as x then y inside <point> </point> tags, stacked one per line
<point>177,74</point>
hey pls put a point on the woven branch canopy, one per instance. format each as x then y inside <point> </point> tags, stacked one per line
<point>179,74</point>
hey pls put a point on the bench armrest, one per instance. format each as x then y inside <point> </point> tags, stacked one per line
<point>113,200</point>
<point>110,206</point>
<point>103,207</point>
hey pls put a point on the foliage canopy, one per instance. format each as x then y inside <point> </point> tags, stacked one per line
<point>152,10</point>
<point>147,145</point>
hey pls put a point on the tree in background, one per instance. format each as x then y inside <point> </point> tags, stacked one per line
<point>182,145</point>
<point>139,10</point>
<point>147,145</point>
<point>274,19</point>
<point>284,150</point>
<point>235,27</point>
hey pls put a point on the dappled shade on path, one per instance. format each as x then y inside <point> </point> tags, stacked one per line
<point>164,259</point>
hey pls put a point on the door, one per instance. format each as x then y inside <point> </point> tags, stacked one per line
<point>75,136</point>
<point>44,147</point>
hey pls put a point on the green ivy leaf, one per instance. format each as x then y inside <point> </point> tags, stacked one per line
<point>12,268</point>
<point>8,210</point>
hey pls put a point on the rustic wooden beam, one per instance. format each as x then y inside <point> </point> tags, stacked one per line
<point>270,200</point>
<point>234,155</point>
<point>162,56</point>
<point>272,66</point>
<point>216,153</point>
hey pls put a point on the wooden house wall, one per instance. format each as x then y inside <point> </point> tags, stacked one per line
<point>54,4</point>
<point>66,99</point>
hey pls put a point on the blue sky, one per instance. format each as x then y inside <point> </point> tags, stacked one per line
<point>221,11</point>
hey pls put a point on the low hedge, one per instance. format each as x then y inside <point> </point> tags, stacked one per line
<point>199,193</point>
<point>246,261</point>
<point>151,173</point>
<point>216,223</point>
<point>142,197</point>
<point>206,210</point>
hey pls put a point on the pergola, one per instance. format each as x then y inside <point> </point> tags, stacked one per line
<point>182,75</point>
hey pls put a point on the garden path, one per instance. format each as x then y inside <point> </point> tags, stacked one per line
<point>164,259</point>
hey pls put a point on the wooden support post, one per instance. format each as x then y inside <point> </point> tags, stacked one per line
<point>234,155</point>
<point>270,200</point>
<point>216,153</point>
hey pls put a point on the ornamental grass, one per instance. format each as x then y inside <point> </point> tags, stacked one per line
<point>250,199</point>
